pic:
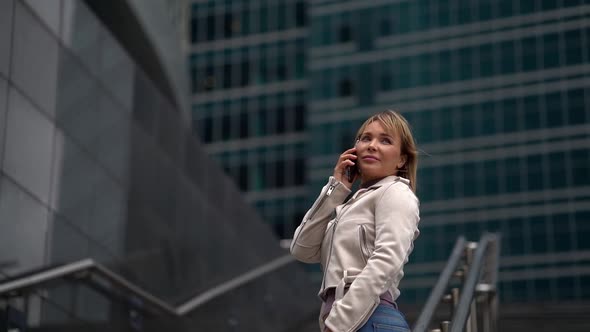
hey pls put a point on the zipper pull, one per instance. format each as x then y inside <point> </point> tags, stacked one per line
<point>330,189</point>
<point>333,185</point>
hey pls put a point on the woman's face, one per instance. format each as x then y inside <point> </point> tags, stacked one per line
<point>379,152</point>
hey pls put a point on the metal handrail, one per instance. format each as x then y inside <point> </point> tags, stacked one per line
<point>212,293</point>
<point>468,291</point>
<point>89,266</point>
<point>439,289</point>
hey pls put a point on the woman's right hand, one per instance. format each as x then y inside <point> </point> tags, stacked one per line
<point>347,159</point>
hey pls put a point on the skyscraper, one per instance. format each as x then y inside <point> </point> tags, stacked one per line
<point>249,99</point>
<point>498,94</point>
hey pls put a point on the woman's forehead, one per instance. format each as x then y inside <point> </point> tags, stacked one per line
<point>377,127</point>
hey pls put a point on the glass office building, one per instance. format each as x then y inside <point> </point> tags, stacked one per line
<point>249,99</point>
<point>498,94</point>
<point>98,160</point>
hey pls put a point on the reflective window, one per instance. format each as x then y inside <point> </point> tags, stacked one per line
<point>468,121</point>
<point>25,220</point>
<point>554,110</point>
<point>532,114</point>
<point>344,33</point>
<point>511,115</point>
<point>535,174</point>
<point>29,146</point>
<point>490,174</point>
<point>3,98</point>
<point>576,106</point>
<point>562,230</point>
<point>512,174</point>
<point>551,50</point>
<point>5,34</point>
<point>530,53</point>
<point>582,229</point>
<point>34,59</point>
<point>574,52</point>
<point>301,13</point>
<point>345,87</point>
<point>580,159</point>
<point>263,18</point>
<point>557,170</point>
<point>210,27</point>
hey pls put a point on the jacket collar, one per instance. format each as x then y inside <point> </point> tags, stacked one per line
<point>389,179</point>
<point>382,182</point>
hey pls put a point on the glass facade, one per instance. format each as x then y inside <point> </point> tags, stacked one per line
<point>97,161</point>
<point>249,85</point>
<point>497,93</point>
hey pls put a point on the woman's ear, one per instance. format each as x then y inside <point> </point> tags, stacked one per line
<point>402,161</point>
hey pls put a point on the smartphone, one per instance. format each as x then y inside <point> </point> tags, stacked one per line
<point>351,171</point>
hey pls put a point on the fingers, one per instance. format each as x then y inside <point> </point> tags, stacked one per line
<point>346,159</point>
<point>348,154</point>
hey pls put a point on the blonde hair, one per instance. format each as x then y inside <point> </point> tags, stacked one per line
<point>396,123</point>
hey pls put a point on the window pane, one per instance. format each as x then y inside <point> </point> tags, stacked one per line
<point>29,146</point>
<point>580,161</point>
<point>25,220</point>
<point>554,111</point>
<point>576,113</point>
<point>534,167</point>
<point>301,13</point>
<point>5,34</point>
<point>551,51</point>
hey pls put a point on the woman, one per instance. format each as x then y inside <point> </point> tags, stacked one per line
<point>363,243</point>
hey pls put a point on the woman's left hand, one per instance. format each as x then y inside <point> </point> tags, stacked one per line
<point>346,160</point>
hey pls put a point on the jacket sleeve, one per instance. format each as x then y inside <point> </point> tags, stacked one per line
<point>308,236</point>
<point>396,226</point>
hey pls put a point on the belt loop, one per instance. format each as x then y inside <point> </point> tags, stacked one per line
<point>341,285</point>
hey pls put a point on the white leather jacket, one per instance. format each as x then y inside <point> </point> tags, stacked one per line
<point>362,247</point>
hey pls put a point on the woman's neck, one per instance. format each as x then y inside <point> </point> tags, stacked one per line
<point>371,182</point>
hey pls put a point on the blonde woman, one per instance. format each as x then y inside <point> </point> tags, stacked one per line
<point>363,243</point>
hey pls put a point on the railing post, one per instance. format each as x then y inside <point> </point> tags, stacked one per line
<point>471,325</point>
<point>491,276</point>
<point>493,327</point>
<point>455,299</point>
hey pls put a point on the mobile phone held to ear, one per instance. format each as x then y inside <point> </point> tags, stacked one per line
<point>352,171</point>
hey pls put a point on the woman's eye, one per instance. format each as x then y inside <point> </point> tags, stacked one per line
<point>386,141</point>
<point>365,138</point>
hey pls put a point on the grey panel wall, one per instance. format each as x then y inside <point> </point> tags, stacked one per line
<point>98,163</point>
<point>6,10</point>
<point>3,105</point>
<point>34,59</point>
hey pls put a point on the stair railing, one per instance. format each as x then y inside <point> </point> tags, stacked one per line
<point>477,298</point>
<point>94,273</point>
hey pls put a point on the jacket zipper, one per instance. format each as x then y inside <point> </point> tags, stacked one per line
<point>329,254</point>
<point>328,193</point>
<point>363,243</point>
<point>331,244</point>
<point>319,203</point>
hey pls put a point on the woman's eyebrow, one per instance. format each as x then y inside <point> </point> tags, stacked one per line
<point>380,134</point>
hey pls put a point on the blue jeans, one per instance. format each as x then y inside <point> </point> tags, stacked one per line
<point>385,319</point>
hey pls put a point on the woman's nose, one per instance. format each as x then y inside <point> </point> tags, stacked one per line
<point>372,144</point>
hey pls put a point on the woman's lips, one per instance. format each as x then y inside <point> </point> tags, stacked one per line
<point>370,158</point>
